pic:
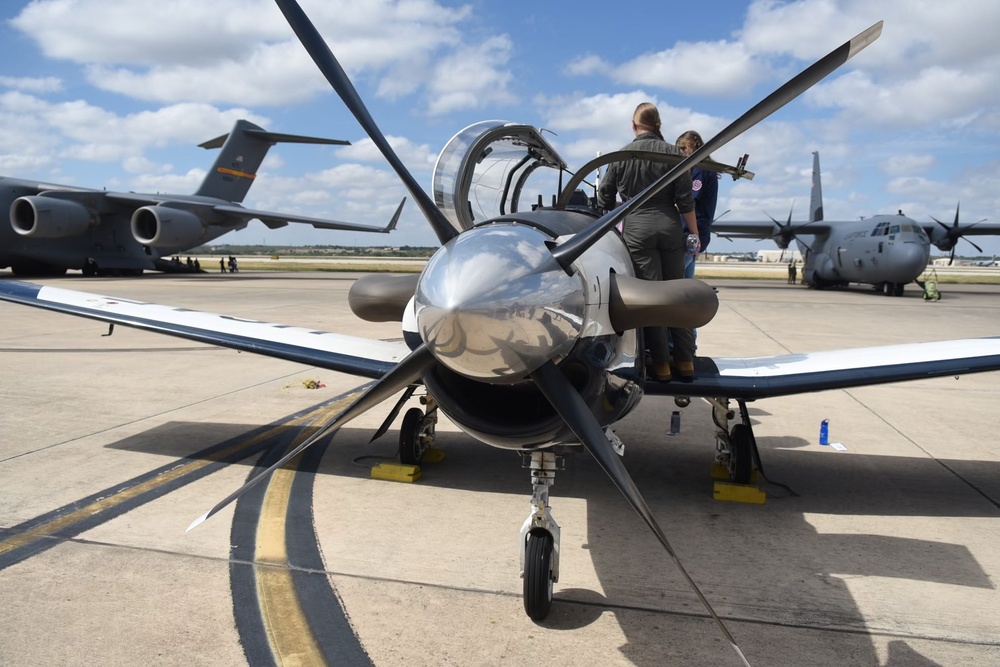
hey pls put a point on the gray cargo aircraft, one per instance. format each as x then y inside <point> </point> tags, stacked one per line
<point>525,327</point>
<point>885,251</point>
<point>57,227</point>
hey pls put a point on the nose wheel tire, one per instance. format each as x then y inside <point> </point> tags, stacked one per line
<point>538,575</point>
<point>411,441</point>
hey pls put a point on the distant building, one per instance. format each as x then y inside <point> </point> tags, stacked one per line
<point>785,256</point>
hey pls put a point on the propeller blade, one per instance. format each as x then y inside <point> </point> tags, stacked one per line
<point>946,227</point>
<point>403,374</point>
<point>972,244</point>
<point>334,73</point>
<point>570,251</point>
<point>574,411</point>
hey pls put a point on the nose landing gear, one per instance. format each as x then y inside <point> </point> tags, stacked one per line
<point>540,537</point>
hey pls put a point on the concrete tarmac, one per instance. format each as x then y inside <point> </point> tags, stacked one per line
<point>887,554</point>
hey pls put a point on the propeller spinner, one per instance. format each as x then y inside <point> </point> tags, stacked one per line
<point>494,305</point>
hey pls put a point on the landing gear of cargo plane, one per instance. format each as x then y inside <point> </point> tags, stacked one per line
<point>416,433</point>
<point>540,536</point>
<point>890,289</point>
<point>736,447</point>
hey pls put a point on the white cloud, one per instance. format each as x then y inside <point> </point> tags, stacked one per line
<point>587,65</point>
<point>48,84</point>
<point>932,95</point>
<point>906,164</point>
<point>414,156</point>
<point>245,53</point>
<point>472,77</point>
<point>730,71</point>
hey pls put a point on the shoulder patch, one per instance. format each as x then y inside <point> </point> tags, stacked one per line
<point>696,185</point>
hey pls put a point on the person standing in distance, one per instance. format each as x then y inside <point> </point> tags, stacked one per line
<point>655,232</point>
<point>705,188</point>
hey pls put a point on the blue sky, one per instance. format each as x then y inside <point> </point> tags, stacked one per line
<point>118,93</point>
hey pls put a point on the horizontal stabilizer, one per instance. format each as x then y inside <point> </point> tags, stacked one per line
<point>274,138</point>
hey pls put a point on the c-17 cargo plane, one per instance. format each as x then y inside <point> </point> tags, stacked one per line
<point>525,327</point>
<point>57,227</point>
<point>885,251</point>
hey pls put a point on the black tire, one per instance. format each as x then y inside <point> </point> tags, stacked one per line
<point>897,289</point>
<point>740,454</point>
<point>410,452</point>
<point>538,575</point>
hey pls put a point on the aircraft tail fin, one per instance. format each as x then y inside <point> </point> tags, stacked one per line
<point>243,151</point>
<point>816,197</point>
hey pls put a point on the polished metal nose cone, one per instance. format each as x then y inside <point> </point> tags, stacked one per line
<point>494,305</point>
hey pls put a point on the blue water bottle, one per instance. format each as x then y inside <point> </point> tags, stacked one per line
<point>675,423</point>
<point>824,432</point>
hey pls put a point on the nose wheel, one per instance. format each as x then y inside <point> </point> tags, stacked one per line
<point>538,581</point>
<point>540,538</point>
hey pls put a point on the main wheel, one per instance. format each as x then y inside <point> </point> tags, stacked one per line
<point>740,454</point>
<point>410,449</point>
<point>538,575</point>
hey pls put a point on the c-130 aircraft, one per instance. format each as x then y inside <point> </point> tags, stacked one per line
<point>58,227</point>
<point>525,327</point>
<point>885,251</point>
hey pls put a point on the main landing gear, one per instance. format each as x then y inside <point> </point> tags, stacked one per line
<point>540,537</point>
<point>417,431</point>
<point>736,448</point>
<point>416,434</point>
<point>890,289</point>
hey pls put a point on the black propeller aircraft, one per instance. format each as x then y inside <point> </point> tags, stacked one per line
<point>524,328</point>
<point>58,227</point>
<point>885,251</point>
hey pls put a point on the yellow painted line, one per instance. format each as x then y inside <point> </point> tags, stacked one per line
<point>49,528</point>
<point>288,631</point>
<point>236,172</point>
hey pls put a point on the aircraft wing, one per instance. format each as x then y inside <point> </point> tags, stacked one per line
<point>275,220</point>
<point>751,229</point>
<point>784,375</point>
<point>347,354</point>
<point>229,210</point>
<point>734,378</point>
<point>939,231</point>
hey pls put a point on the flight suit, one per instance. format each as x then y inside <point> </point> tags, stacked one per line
<point>654,233</point>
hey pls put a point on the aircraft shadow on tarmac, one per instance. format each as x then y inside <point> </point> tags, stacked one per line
<point>764,565</point>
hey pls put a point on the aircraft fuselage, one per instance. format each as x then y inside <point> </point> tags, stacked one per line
<point>884,249</point>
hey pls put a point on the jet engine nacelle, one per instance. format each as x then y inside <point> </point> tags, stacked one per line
<point>164,227</point>
<point>48,217</point>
